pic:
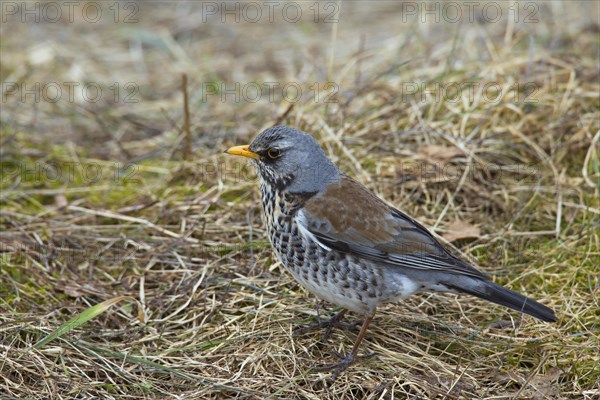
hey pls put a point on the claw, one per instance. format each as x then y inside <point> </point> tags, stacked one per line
<point>343,364</point>
<point>353,356</point>
<point>328,325</point>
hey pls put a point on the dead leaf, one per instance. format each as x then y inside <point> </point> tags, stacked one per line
<point>461,230</point>
<point>545,385</point>
<point>60,201</point>
<point>441,153</point>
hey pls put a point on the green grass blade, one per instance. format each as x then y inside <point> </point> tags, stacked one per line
<point>81,319</point>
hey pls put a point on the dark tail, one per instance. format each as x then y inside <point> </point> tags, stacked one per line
<point>500,295</point>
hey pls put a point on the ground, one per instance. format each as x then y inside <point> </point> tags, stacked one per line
<point>134,262</point>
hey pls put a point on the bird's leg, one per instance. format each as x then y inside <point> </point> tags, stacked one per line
<point>327,324</point>
<point>352,357</point>
<point>334,322</point>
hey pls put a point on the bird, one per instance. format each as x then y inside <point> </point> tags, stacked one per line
<point>347,246</point>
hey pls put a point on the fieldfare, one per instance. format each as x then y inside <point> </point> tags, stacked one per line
<point>346,245</point>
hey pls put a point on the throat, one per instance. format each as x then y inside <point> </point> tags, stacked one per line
<point>278,203</point>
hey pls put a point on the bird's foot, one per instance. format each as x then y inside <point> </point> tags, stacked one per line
<point>328,325</point>
<point>346,360</point>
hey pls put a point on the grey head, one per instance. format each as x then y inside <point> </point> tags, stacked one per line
<point>291,160</point>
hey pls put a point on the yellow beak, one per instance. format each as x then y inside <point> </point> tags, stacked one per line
<point>241,151</point>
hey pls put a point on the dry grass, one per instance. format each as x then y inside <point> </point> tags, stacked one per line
<point>214,310</point>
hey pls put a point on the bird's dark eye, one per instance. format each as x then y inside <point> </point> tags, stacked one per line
<point>273,153</point>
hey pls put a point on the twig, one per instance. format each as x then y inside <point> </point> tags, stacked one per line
<point>283,115</point>
<point>187,148</point>
<point>334,34</point>
<point>588,156</point>
<point>140,221</point>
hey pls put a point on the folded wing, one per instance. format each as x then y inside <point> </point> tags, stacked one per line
<point>348,218</point>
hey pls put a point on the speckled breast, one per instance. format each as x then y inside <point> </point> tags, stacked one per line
<point>338,278</point>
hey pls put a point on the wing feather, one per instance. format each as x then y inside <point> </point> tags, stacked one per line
<point>348,218</point>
